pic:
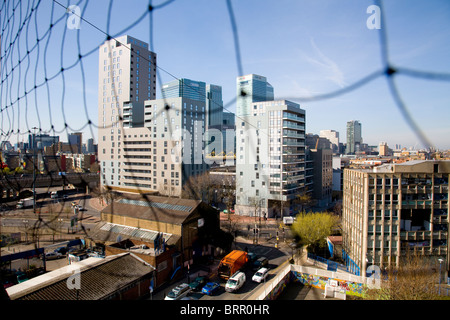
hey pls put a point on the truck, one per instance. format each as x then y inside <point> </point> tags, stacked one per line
<point>24,203</point>
<point>232,263</point>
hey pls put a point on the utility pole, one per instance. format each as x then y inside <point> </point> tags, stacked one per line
<point>34,169</point>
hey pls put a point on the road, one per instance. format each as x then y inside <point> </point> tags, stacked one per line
<point>46,207</point>
<point>275,256</point>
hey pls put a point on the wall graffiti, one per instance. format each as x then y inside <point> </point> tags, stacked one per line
<point>352,288</point>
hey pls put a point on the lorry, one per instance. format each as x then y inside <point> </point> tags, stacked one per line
<point>232,263</point>
<point>24,203</point>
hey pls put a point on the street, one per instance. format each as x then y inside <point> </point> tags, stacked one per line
<point>275,256</point>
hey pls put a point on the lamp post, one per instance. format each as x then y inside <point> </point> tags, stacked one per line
<point>34,169</point>
<point>440,263</point>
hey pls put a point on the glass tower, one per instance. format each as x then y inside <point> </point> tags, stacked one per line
<point>252,88</point>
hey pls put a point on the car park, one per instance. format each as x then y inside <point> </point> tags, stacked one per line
<point>260,275</point>
<point>178,292</point>
<point>235,282</point>
<point>198,283</point>
<point>260,263</point>
<point>211,288</point>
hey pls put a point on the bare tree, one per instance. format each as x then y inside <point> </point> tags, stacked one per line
<point>415,278</point>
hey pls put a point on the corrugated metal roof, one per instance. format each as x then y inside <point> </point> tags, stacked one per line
<point>153,204</point>
<point>97,282</point>
<point>146,234</point>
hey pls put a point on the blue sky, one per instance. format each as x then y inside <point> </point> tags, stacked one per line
<point>304,48</point>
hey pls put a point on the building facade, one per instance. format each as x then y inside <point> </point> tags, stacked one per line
<point>270,158</point>
<point>394,208</point>
<point>333,137</point>
<point>251,88</point>
<point>127,77</point>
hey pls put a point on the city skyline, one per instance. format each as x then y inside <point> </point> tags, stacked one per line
<point>310,49</point>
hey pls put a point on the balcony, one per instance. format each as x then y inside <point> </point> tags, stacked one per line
<point>292,125</point>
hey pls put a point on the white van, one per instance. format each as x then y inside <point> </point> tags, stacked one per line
<point>235,282</point>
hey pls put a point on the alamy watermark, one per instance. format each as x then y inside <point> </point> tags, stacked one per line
<point>374,21</point>
<point>74,18</point>
<point>74,281</point>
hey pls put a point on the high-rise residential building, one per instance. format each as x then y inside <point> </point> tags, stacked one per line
<point>354,136</point>
<point>162,155</point>
<point>127,77</point>
<point>395,208</point>
<point>270,159</point>
<point>251,88</point>
<point>333,136</point>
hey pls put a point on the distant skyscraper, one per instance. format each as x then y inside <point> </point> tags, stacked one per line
<point>354,137</point>
<point>90,146</point>
<point>214,106</point>
<point>252,88</point>
<point>76,139</point>
<point>184,88</point>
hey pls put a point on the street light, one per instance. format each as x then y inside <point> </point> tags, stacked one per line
<point>440,263</point>
<point>34,169</point>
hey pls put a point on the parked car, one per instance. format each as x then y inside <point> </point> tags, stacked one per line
<point>260,263</point>
<point>178,292</point>
<point>62,250</point>
<point>235,282</point>
<point>22,277</point>
<point>53,255</point>
<point>251,257</point>
<point>260,275</point>
<point>211,288</point>
<point>198,283</point>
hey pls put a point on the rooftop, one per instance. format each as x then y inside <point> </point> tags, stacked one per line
<point>154,208</point>
<point>99,278</point>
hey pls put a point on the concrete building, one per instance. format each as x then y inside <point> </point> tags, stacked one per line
<point>270,158</point>
<point>167,150</point>
<point>393,208</point>
<point>322,176</point>
<point>333,137</point>
<point>383,149</point>
<point>127,77</point>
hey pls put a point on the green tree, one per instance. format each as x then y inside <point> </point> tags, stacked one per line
<point>312,229</point>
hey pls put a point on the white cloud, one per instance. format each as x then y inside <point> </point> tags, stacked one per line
<point>329,67</point>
